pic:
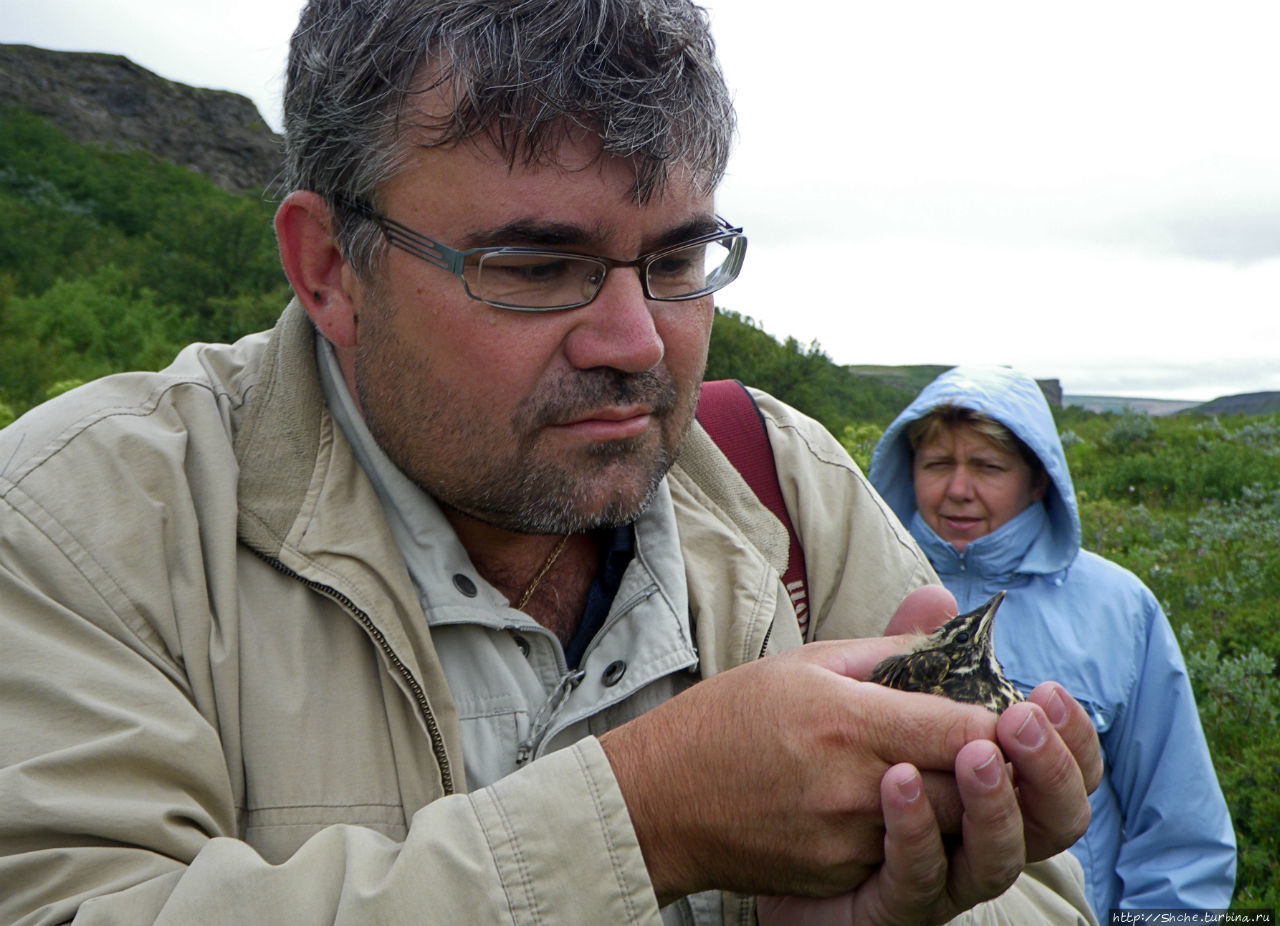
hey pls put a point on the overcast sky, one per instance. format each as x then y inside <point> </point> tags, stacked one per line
<point>1088,191</point>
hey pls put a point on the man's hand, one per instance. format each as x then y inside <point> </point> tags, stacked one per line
<point>1054,755</point>
<point>780,776</point>
<point>918,883</point>
<point>921,881</point>
<point>766,778</point>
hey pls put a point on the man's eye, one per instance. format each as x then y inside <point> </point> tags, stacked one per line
<point>530,272</point>
<point>676,265</point>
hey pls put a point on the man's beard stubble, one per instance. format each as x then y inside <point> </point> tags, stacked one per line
<point>547,489</point>
<point>455,457</point>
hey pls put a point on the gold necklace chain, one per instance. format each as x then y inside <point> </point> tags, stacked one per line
<point>546,567</point>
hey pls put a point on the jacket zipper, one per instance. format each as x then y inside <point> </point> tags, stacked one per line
<point>764,647</point>
<point>433,728</point>
<point>569,680</point>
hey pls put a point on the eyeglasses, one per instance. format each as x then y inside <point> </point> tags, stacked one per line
<point>539,280</point>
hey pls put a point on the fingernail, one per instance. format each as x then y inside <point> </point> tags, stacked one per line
<point>1055,708</point>
<point>909,788</point>
<point>1031,734</point>
<point>989,772</point>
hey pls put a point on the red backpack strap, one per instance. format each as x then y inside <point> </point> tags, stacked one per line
<point>729,414</point>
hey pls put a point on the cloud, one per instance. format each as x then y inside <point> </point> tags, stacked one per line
<point>1242,233</point>
<point>1088,316</point>
<point>1087,193</point>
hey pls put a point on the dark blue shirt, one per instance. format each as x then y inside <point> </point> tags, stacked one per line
<point>617,547</point>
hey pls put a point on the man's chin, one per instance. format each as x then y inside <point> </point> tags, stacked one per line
<point>549,489</point>
<point>616,497</point>
<point>609,496</point>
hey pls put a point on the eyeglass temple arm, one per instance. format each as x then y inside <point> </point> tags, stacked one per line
<point>406,239</point>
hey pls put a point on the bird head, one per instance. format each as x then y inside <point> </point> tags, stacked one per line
<point>957,661</point>
<point>966,637</point>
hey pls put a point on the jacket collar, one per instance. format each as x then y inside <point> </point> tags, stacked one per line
<point>1020,546</point>
<point>278,439</point>
<point>304,499</point>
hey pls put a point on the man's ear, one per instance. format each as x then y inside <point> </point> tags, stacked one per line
<point>315,266</point>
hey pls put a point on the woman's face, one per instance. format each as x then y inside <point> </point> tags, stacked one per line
<point>966,486</point>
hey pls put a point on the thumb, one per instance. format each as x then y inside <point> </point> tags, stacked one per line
<point>923,611</point>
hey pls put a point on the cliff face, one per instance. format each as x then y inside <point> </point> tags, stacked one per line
<point>109,101</point>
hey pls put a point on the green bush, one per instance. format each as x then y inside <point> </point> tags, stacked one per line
<point>860,440</point>
<point>1130,431</point>
<point>802,376</point>
<point>1239,696</point>
<point>112,261</point>
<point>81,329</point>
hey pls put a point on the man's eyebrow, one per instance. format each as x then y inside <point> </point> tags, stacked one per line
<point>534,234</point>
<point>530,234</point>
<point>686,231</point>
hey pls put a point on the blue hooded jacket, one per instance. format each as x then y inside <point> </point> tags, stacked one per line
<point>1161,836</point>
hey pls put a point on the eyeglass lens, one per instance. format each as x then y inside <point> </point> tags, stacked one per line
<point>550,280</point>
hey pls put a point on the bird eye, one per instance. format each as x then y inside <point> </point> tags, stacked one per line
<point>962,636</point>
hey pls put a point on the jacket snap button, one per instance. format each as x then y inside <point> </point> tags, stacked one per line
<point>522,644</point>
<point>464,585</point>
<point>613,673</point>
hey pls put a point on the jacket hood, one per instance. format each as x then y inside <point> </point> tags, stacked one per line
<point>1015,400</point>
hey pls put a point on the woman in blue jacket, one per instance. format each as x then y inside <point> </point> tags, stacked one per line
<point>975,468</point>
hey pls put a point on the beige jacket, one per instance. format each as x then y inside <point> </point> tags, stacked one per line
<point>219,701</point>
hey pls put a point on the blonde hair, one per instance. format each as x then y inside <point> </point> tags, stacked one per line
<point>948,417</point>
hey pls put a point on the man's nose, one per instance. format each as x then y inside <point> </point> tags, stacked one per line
<point>616,329</point>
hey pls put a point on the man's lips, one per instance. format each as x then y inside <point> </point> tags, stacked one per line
<point>609,423</point>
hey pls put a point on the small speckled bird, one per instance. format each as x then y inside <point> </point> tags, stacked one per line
<point>957,661</point>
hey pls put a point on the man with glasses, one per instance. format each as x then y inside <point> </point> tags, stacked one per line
<point>434,604</point>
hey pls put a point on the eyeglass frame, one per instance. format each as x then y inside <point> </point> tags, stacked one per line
<point>453,260</point>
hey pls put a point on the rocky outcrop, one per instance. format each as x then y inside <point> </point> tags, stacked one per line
<point>1248,403</point>
<point>1052,389</point>
<point>109,101</point>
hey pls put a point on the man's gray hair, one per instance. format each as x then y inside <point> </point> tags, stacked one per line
<point>640,74</point>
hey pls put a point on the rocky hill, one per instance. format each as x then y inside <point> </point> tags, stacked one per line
<point>1121,404</point>
<point>1249,403</point>
<point>109,101</point>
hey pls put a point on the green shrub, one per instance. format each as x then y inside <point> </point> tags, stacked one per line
<point>82,329</point>
<point>1131,430</point>
<point>1239,697</point>
<point>860,440</point>
<point>112,261</point>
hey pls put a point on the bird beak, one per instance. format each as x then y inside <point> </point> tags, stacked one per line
<point>989,613</point>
